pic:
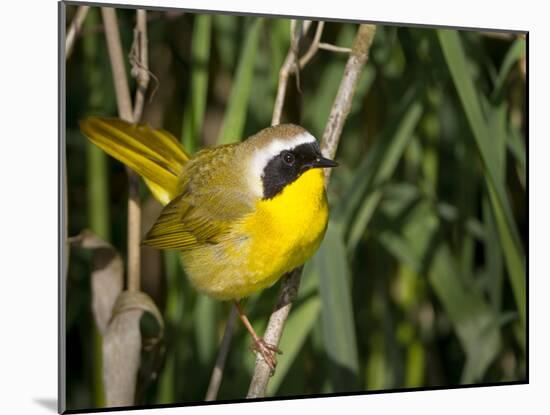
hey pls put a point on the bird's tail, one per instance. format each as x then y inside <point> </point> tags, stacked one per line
<point>156,155</point>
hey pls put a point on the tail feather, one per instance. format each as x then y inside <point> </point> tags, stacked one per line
<point>156,155</point>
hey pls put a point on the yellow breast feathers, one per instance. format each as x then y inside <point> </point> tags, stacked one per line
<point>279,235</point>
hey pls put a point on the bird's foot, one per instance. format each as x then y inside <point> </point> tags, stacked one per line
<point>268,352</point>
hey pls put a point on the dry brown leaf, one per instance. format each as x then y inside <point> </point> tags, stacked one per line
<point>122,346</point>
<point>107,276</point>
<point>128,301</point>
<point>121,358</point>
<point>117,314</point>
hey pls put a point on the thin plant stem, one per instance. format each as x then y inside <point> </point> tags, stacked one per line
<point>338,115</point>
<point>217,373</point>
<point>342,103</point>
<point>74,29</point>
<point>304,60</point>
<point>286,69</point>
<point>333,48</point>
<point>134,232</point>
<point>126,113</point>
<point>139,57</point>
<point>124,393</point>
<point>293,64</point>
<point>114,47</point>
<point>140,61</point>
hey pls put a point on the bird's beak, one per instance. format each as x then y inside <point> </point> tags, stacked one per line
<point>323,162</point>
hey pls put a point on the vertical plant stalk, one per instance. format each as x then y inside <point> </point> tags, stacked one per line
<point>217,373</point>
<point>122,341</point>
<point>134,237</point>
<point>114,47</point>
<point>140,69</point>
<point>74,29</point>
<point>289,65</point>
<point>331,136</point>
<point>139,58</point>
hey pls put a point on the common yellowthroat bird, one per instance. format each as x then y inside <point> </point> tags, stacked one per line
<point>242,214</point>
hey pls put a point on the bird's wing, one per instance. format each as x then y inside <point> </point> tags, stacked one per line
<point>214,196</point>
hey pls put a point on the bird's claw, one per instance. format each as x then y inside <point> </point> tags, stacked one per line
<point>267,351</point>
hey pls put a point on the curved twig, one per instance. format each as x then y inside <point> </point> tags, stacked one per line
<point>304,60</point>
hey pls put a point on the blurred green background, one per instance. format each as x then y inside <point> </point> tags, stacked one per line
<point>421,279</point>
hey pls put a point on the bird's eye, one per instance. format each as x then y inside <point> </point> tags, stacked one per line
<point>288,158</point>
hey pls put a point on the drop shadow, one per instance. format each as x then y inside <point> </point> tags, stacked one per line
<point>48,403</point>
